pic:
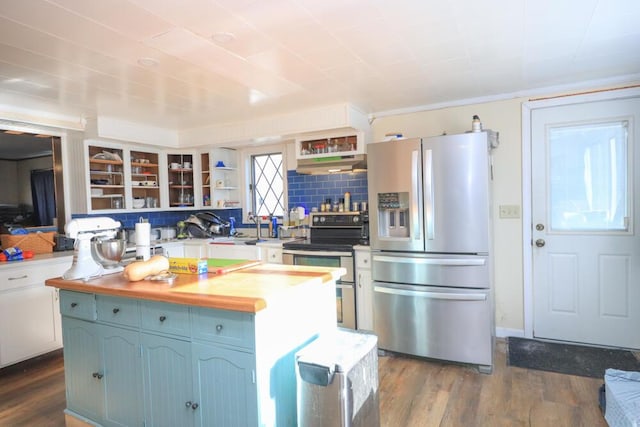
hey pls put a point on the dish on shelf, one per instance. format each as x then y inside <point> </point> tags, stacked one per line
<point>138,203</point>
<point>100,181</point>
<point>96,192</point>
<point>107,155</point>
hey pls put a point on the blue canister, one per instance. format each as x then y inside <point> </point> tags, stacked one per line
<point>274,228</point>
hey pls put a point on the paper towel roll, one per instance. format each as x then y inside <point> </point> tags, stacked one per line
<point>143,240</point>
<point>143,252</point>
<point>143,234</point>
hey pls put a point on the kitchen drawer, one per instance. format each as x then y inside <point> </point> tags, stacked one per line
<point>222,326</point>
<point>363,259</point>
<point>165,318</point>
<point>121,311</point>
<point>78,304</point>
<point>28,274</point>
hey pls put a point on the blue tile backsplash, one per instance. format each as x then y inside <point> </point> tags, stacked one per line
<point>311,190</point>
<point>304,190</point>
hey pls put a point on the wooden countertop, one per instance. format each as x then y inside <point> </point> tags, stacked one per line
<point>248,290</point>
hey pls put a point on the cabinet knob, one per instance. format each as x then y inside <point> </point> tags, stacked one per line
<point>97,375</point>
<point>116,310</point>
<point>188,404</point>
<point>218,328</point>
<point>163,318</point>
<point>74,304</point>
<point>194,406</point>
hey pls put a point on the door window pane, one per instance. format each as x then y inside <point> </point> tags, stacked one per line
<point>588,177</point>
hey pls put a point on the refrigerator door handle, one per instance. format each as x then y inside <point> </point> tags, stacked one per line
<point>432,261</point>
<point>428,193</point>
<point>415,197</point>
<point>432,295</point>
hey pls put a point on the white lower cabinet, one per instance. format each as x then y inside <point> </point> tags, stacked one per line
<point>364,290</point>
<point>272,254</point>
<point>29,311</point>
<point>248,252</point>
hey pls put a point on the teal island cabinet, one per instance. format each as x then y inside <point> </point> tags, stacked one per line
<point>209,350</point>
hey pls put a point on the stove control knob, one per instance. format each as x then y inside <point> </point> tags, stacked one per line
<point>356,219</point>
<point>322,219</point>
<point>316,219</point>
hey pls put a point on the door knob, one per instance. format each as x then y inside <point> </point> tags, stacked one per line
<point>540,243</point>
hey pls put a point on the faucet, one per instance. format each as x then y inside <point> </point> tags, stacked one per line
<point>256,219</point>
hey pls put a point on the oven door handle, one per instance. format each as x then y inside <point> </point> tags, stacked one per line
<point>315,253</point>
<point>432,295</point>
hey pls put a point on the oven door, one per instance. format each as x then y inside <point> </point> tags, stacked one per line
<point>345,290</point>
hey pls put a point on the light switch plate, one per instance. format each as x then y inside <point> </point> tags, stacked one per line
<point>509,211</point>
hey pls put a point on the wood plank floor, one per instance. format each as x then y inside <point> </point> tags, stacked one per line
<point>413,392</point>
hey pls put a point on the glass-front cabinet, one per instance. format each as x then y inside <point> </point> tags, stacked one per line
<point>181,179</point>
<point>106,177</point>
<point>338,144</point>
<point>145,179</point>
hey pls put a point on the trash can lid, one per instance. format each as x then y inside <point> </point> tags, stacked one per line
<point>340,350</point>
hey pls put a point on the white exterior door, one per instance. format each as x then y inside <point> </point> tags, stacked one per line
<point>585,211</point>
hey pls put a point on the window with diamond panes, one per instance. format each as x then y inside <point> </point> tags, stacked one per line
<point>268,184</point>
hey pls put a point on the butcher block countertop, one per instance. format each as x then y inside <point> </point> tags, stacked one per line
<point>246,290</point>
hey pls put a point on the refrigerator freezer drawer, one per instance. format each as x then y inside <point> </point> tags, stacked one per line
<point>435,322</point>
<point>455,271</point>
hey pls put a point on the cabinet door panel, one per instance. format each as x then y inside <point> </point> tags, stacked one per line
<point>226,387</point>
<point>124,401</point>
<point>83,366</point>
<point>168,382</point>
<point>29,323</point>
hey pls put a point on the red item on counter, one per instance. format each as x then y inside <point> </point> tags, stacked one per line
<point>3,257</point>
<point>27,254</point>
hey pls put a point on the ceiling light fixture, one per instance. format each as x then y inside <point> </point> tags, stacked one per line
<point>148,62</point>
<point>223,37</point>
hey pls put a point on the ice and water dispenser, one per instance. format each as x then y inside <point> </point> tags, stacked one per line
<point>393,214</point>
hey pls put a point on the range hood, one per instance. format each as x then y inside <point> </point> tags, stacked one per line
<point>332,164</point>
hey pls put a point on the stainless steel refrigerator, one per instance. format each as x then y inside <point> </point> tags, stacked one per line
<point>430,233</point>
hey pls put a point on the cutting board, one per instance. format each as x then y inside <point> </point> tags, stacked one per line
<point>227,265</point>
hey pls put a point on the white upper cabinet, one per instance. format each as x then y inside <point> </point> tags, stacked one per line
<point>346,143</point>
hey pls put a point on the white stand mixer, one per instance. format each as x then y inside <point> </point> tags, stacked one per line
<point>85,266</point>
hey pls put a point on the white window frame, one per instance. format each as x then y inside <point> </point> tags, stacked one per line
<point>245,163</point>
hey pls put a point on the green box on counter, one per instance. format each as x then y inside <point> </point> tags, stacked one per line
<point>188,265</point>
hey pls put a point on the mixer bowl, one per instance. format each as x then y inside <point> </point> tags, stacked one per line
<point>108,252</point>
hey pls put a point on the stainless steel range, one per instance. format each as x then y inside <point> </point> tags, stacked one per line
<point>332,236</point>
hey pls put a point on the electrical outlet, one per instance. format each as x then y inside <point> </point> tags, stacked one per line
<point>509,211</point>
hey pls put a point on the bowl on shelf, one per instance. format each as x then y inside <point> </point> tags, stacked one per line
<point>97,192</point>
<point>138,203</point>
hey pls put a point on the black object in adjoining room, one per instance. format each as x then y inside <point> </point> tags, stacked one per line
<point>43,192</point>
<point>569,359</point>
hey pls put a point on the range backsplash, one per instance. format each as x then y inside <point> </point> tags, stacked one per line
<point>311,190</point>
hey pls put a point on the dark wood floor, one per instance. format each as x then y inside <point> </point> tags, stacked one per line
<point>412,392</point>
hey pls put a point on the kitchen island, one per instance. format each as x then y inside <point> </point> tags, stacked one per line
<point>206,350</point>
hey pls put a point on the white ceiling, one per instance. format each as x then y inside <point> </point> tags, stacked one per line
<point>80,57</point>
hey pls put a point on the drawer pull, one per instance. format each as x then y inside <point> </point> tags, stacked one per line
<point>218,328</point>
<point>163,318</point>
<point>18,278</point>
<point>116,310</point>
<point>74,304</point>
<point>194,406</point>
<point>97,375</point>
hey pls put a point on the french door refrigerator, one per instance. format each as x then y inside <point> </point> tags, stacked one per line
<point>430,231</point>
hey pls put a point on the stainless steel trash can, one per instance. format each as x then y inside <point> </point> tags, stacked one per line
<point>337,377</point>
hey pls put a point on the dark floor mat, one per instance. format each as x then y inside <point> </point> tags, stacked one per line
<point>568,359</point>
